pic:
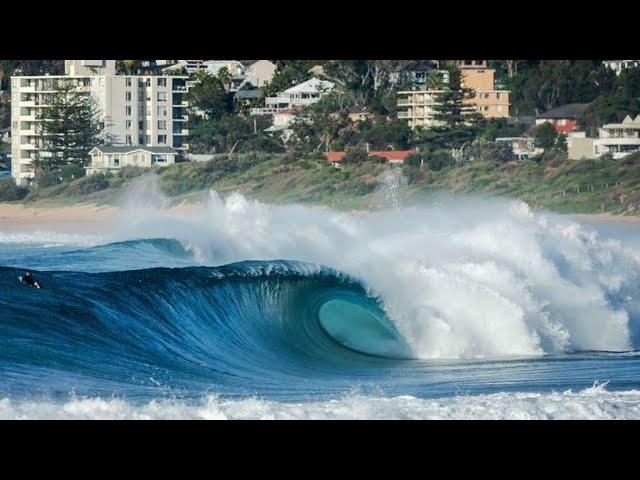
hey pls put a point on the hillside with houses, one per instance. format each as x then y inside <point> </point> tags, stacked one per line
<point>561,134</point>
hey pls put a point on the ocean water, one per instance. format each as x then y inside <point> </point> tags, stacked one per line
<point>462,308</point>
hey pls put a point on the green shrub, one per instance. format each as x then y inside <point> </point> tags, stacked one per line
<point>89,184</point>
<point>71,172</point>
<point>415,160</point>
<point>438,160</point>
<point>10,192</point>
<point>47,179</point>
<point>355,155</point>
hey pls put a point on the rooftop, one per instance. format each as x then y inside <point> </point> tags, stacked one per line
<point>570,110</point>
<point>390,155</point>
<point>312,85</point>
<point>132,148</point>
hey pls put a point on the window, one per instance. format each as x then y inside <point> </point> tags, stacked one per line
<point>162,111</point>
<point>162,139</point>
<point>128,81</point>
<point>498,95</point>
<point>127,111</point>
<point>116,161</point>
<point>127,96</point>
<point>127,124</point>
<point>140,125</point>
<point>499,108</point>
<point>162,124</point>
<point>162,96</point>
<point>127,139</point>
<point>162,82</point>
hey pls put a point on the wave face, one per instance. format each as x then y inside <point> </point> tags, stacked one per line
<point>253,323</point>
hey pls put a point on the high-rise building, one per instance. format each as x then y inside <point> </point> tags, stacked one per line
<point>145,110</point>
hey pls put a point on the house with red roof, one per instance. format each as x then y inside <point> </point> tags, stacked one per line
<point>392,156</point>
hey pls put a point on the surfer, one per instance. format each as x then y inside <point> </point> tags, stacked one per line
<point>28,279</point>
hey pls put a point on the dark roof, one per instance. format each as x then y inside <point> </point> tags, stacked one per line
<point>570,110</point>
<point>248,94</point>
<point>133,148</point>
<point>418,66</point>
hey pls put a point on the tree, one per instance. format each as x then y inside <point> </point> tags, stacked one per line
<point>545,136</point>
<point>454,107</point>
<point>69,127</point>
<point>225,77</point>
<point>208,97</point>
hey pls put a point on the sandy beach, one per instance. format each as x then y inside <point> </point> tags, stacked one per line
<point>98,218</point>
<point>81,218</point>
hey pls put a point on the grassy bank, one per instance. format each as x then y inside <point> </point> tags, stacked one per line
<point>581,186</point>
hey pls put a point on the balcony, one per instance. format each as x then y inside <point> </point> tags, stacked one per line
<point>266,110</point>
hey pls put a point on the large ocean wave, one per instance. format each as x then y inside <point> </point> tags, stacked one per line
<point>244,310</point>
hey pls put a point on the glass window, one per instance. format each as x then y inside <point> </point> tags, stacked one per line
<point>127,110</point>
<point>162,139</point>
<point>162,96</point>
<point>162,82</point>
<point>127,96</point>
<point>128,81</point>
<point>162,124</point>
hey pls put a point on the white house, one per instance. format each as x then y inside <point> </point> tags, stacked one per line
<point>522,147</point>
<point>109,158</point>
<point>305,93</point>
<point>260,73</point>
<point>618,139</point>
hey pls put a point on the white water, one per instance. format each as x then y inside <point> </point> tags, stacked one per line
<point>592,403</point>
<point>464,278</point>
<point>461,278</point>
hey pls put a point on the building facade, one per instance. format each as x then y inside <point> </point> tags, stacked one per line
<point>564,118</point>
<point>109,158</point>
<point>618,139</point>
<point>489,102</point>
<point>417,107</point>
<point>619,65</point>
<point>260,73</point>
<point>523,147</point>
<point>134,110</point>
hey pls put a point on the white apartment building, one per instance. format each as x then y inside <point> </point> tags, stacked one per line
<point>417,107</point>
<point>618,139</point>
<point>134,110</point>
<point>305,93</point>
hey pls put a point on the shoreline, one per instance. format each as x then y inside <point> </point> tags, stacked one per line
<point>97,218</point>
